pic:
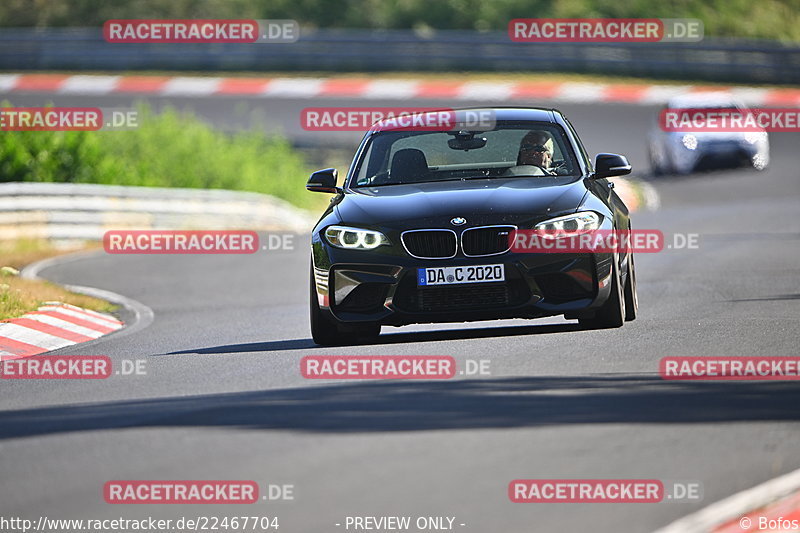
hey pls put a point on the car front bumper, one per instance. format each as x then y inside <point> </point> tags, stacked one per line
<point>355,286</point>
<point>719,154</point>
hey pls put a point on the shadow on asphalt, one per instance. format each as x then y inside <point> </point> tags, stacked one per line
<point>369,407</point>
<point>769,298</point>
<point>389,338</point>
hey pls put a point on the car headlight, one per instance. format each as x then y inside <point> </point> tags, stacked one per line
<point>355,238</point>
<point>569,225</point>
<point>689,141</point>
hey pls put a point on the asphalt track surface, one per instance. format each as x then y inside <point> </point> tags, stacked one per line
<point>223,397</point>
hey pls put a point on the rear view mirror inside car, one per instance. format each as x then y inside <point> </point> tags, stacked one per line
<point>466,140</point>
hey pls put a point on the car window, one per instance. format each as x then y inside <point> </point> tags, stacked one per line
<point>504,147</point>
<point>393,157</point>
<point>584,153</point>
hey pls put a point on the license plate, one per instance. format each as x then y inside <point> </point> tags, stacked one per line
<point>460,274</point>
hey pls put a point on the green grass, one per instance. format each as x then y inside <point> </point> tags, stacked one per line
<point>170,149</point>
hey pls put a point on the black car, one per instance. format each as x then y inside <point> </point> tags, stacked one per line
<point>419,231</point>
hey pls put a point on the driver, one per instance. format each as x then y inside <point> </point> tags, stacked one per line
<point>535,156</point>
<point>536,148</point>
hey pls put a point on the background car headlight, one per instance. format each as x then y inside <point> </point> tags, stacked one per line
<point>575,224</point>
<point>689,141</point>
<point>355,238</point>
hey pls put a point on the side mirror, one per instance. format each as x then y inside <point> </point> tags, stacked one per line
<point>323,181</point>
<point>608,165</point>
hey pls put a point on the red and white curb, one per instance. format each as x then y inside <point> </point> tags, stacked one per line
<point>371,88</point>
<point>54,325</point>
<point>774,504</point>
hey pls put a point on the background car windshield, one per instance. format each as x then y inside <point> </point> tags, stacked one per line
<point>396,157</point>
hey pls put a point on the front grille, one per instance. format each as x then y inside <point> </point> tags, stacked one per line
<point>489,240</point>
<point>430,244</point>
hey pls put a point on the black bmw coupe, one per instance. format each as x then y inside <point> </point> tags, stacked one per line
<point>419,232</point>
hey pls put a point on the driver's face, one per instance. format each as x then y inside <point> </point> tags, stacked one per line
<point>533,151</point>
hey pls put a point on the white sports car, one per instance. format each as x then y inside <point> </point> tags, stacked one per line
<point>685,152</point>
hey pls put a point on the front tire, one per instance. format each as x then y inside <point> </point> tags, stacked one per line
<point>612,313</point>
<point>323,331</point>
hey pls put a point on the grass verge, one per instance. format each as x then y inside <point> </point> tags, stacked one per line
<point>169,149</point>
<point>19,296</point>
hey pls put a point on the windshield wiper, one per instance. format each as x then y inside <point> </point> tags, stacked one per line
<point>464,178</point>
<point>431,181</point>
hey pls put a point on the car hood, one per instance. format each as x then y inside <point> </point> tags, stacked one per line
<point>480,201</point>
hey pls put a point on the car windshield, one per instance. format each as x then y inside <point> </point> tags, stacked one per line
<point>529,149</point>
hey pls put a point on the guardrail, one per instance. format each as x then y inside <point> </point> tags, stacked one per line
<point>728,60</point>
<point>65,211</point>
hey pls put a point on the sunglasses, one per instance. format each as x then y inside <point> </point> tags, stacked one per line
<point>535,147</point>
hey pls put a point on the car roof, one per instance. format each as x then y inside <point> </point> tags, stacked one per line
<point>533,114</point>
<point>538,114</point>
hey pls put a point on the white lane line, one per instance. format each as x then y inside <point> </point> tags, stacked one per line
<point>184,86</point>
<point>8,81</point>
<point>477,90</point>
<point>660,94</point>
<point>89,85</point>
<point>400,89</point>
<point>581,92</point>
<point>293,87</point>
<point>736,506</point>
